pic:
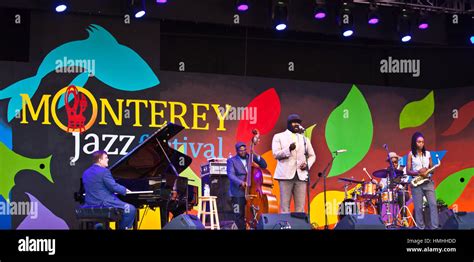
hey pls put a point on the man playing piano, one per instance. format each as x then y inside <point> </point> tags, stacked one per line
<point>100,188</point>
<point>237,171</point>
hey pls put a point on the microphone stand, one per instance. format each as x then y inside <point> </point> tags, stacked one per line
<point>389,176</point>
<point>306,154</point>
<point>323,174</point>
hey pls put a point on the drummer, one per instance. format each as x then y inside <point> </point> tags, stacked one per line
<point>396,182</point>
<point>394,158</point>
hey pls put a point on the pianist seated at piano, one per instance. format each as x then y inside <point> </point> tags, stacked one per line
<point>100,189</point>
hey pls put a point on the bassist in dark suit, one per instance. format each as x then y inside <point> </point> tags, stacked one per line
<point>237,171</point>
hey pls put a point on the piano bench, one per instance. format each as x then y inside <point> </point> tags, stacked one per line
<point>90,216</point>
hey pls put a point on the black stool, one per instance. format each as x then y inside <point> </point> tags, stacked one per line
<point>90,216</point>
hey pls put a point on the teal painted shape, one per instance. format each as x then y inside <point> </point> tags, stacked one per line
<point>116,65</point>
<point>5,220</point>
<point>5,133</point>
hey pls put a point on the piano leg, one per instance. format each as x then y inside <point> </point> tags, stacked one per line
<point>137,217</point>
<point>164,214</point>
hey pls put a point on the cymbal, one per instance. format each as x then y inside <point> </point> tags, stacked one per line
<point>383,173</point>
<point>351,180</point>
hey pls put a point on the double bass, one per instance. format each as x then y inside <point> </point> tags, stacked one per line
<point>258,192</point>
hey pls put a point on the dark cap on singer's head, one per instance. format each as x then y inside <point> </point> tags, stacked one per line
<point>239,145</point>
<point>294,118</point>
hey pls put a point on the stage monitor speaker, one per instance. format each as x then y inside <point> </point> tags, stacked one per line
<point>460,220</point>
<point>364,222</point>
<point>284,221</point>
<point>219,187</point>
<point>228,225</point>
<point>186,222</point>
<point>444,214</point>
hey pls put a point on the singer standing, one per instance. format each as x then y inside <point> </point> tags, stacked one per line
<point>288,149</point>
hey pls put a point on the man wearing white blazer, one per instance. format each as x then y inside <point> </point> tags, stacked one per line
<point>288,149</point>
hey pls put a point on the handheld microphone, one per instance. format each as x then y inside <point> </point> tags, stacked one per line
<point>340,151</point>
<point>301,128</point>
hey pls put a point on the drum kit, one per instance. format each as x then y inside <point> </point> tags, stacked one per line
<point>388,201</point>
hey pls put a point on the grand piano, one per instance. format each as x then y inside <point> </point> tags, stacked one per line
<point>151,172</point>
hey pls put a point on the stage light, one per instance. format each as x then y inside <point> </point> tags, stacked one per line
<point>319,10</point>
<point>373,17</point>
<point>138,8</point>
<point>346,21</point>
<point>404,26</point>
<point>319,13</point>
<point>406,38</point>
<point>471,33</point>
<point>280,27</point>
<point>60,6</point>
<point>140,14</point>
<point>423,21</point>
<point>242,5</point>
<point>423,25</point>
<point>347,33</point>
<point>161,1</point>
<point>280,15</point>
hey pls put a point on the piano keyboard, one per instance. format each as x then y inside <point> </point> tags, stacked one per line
<point>140,192</point>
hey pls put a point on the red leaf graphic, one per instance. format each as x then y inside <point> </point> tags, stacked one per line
<point>267,111</point>
<point>466,114</point>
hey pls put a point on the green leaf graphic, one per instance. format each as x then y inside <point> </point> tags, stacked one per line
<point>309,132</point>
<point>350,127</point>
<point>452,187</point>
<point>418,112</point>
<point>11,163</point>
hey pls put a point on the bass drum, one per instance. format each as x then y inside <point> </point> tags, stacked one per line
<point>347,207</point>
<point>369,207</point>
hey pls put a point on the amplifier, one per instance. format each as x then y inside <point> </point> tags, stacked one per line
<point>214,174</point>
<point>214,167</point>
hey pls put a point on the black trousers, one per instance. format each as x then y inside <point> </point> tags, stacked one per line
<point>238,207</point>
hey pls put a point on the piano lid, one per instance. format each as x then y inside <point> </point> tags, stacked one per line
<point>147,160</point>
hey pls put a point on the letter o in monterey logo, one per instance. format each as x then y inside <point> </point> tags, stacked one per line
<point>72,111</point>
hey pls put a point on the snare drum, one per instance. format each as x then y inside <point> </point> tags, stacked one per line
<point>369,190</point>
<point>387,196</point>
